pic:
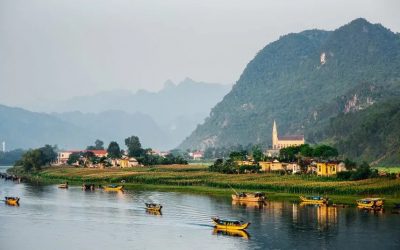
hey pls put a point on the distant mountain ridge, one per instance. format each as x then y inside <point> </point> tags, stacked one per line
<point>303,80</point>
<point>161,119</point>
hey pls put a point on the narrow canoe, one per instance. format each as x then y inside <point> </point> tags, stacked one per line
<point>314,199</point>
<point>229,224</point>
<point>113,188</point>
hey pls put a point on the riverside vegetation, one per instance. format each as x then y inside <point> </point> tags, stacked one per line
<point>197,178</point>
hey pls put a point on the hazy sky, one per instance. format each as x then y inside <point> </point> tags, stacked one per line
<point>61,48</point>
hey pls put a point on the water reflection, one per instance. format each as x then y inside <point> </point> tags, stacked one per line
<point>234,233</point>
<point>250,204</point>
<point>52,218</point>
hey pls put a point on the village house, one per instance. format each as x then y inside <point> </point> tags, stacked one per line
<point>275,165</point>
<point>329,168</point>
<point>63,156</point>
<point>127,162</point>
<point>196,155</point>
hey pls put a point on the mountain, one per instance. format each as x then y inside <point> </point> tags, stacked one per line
<point>302,81</point>
<point>176,108</point>
<point>20,128</point>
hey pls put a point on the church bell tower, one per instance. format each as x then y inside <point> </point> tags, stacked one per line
<point>274,136</point>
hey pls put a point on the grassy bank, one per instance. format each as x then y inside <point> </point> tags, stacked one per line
<point>196,178</point>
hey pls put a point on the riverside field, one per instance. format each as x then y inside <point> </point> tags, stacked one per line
<point>197,178</point>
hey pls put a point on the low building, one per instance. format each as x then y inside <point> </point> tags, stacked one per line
<point>196,155</point>
<point>329,168</point>
<point>128,162</point>
<point>275,165</point>
<point>293,168</point>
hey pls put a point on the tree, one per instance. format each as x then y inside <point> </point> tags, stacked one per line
<point>325,151</point>
<point>34,159</point>
<point>134,146</point>
<point>73,158</point>
<point>113,150</point>
<point>238,155</point>
<point>98,145</point>
<point>257,154</point>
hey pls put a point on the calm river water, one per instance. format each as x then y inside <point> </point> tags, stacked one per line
<point>52,218</point>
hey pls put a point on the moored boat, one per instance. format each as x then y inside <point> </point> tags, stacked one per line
<point>251,197</point>
<point>63,185</point>
<point>314,199</point>
<point>370,203</point>
<point>13,201</point>
<point>113,188</point>
<point>153,207</point>
<point>229,224</point>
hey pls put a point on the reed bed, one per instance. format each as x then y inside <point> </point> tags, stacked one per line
<point>193,175</point>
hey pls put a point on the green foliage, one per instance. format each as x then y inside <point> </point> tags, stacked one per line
<point>73,158</point>
<point>227,167</point>
<point>134,146</point>
<point>364,171</point>
<point>238,156</point>
<point>98,145</point>
<point>257,154</point>
<point>34,159</point>
<point>293,153</point>
<point>249,169</point>
<point>113,150</point>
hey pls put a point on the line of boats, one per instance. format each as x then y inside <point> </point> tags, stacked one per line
<point>225,226</point>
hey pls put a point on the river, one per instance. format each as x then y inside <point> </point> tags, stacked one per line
<point>52,218</point>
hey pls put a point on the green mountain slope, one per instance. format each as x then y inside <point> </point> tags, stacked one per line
<point>288,81</point>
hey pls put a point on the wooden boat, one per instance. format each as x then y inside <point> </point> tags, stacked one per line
<point>63,185</point>
<point>229,224</point>
<point>13,201</point>
<point>90,187</point>
<point>153,207</point>
<point>235,233</point>
<point>314,199</point>
<point>113,188</point>
<point>370,203</point>
<point>251,197</point>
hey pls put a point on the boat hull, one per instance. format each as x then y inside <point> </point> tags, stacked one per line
<point>312,201</point>
<point>370,203</point>
<point>118,188</point>
<point>230,225</point>
<point>248,199</point>
<point>12,202</point>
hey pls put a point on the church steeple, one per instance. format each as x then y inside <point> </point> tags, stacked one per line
<point>274,136</point>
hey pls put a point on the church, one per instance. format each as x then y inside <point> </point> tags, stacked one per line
<point>279,142</point>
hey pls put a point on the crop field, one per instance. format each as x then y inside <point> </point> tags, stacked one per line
<point>197,175</point>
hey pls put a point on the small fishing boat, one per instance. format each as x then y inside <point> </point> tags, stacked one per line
<point>113,188</point>
<point>370,203</point>
<point>63,185</point>
<point>90,187</point>
<point>13,201</point>
<point>153,207</point>
<point>235,233</point>
<point>229,224</point>
<point>314,199</point>
<point>252,197</point>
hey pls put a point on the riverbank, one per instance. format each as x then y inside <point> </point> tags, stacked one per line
<point>196,179</point>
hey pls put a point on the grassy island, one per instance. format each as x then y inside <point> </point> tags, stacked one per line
<point>197,178</point>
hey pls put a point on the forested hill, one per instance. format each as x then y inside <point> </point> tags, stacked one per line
<point>303,80</point>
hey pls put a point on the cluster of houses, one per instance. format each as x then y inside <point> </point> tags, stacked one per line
<point>328,168</point>
<point>123,162</point>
